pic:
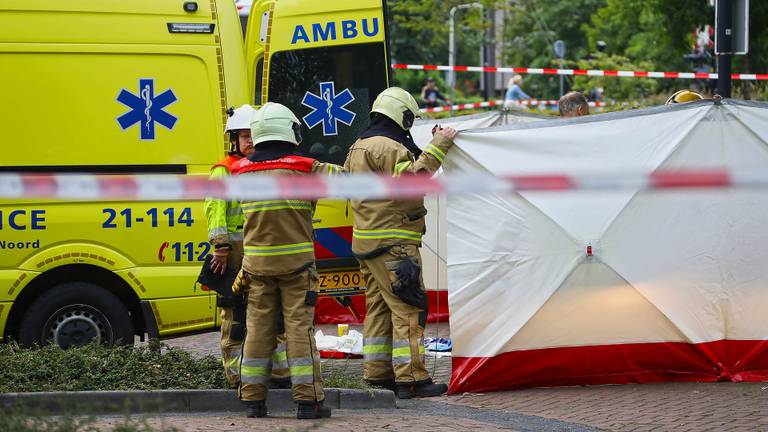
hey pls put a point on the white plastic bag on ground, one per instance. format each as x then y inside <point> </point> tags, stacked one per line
<point>325,342</point>
<point>351,343</point>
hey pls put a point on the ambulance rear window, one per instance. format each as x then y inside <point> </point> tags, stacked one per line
<point>349,77</point>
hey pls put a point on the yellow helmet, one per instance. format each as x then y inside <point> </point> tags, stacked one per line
<point>398,105</point>
<point>275,122</point>
<point>683,96</point>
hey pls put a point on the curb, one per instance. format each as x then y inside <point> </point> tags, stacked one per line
<point>179,401</point>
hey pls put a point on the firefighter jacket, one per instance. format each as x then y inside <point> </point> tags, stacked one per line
<point>225,218</point>
<point>279,234</point>
<point>383,223</point>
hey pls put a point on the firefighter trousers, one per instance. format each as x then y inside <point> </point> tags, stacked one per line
<point>233,334</point>
<point>231,349</point>
<point>393,334</point>
<point>296,295</point>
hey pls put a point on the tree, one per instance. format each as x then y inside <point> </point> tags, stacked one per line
<point>620,89</point>
<point>655,31</point>
<point>534,25</point>
<point>640,35</point>
<point>661,32</point>
<point>418,31</point>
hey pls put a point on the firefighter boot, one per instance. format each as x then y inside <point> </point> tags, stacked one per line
<point>421,389</point>
<point>255,409</point>
<point>312,410</point>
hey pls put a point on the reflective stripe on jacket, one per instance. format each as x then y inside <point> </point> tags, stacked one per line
<point>381,223</point>
<point>279,233</point>
<point>224,218</point>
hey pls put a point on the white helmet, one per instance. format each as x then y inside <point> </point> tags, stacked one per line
<point>275,122</point>
<point>239,118</point>
<point>398,105</point>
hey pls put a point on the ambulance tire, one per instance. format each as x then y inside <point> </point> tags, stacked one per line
<point>74,314</point>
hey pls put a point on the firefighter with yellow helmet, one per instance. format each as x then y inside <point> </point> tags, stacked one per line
<point>683,96</point>
<point>225,233</point>
<point>278,271</point>
<point>385,240</point>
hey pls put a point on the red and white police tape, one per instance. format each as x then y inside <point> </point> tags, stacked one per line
<point>466,106</point>
<point>500,102</point>
<point>193,187</point>
<point>586,72</point>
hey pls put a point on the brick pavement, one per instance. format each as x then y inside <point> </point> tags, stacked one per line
<point>341,421</point>
<point>650,407</point>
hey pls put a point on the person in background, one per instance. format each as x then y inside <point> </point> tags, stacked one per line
<point>430,95</point>
<point>596,94</point>
<point>515,92</point>
<point>573,104</point>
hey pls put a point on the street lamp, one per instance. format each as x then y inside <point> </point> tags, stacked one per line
<point>559,48</point>
<point>452,45</point>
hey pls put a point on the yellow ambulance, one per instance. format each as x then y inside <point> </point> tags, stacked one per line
<point>142,87</point>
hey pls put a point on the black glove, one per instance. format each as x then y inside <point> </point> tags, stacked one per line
<point>221,283</point>
<point>408,272</point>
<point>407,285</point>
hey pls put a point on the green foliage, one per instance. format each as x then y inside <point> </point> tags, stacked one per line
<point>534,26</point>
<point>95,367</point>
<point>17,421</point>
<point>419,31</point>
<point>640,35</point>
<point>346,381</point>
<point>413,81</point>
<point>660,32</point>
<point>757,90</point>
<point>530,32</point>
<point>338,374</point>
<point>654,33</point>
<point>621,89</point>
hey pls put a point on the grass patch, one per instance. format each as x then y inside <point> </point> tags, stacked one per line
<point>95,367</point>
<point>153,367</point>
<point>341,374</point>
<point>17,421</point>
<point>339,380</point>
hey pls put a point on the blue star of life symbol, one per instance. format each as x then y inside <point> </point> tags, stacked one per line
<point>328,108</point>
<point>146,109</point>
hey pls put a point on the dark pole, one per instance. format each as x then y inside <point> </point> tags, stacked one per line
<point>490,54</point>
<point>724,36</point>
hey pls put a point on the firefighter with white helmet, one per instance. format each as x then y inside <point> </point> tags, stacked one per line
<point>278,271</point>
<point>225,232</point>
<point>386,238</point>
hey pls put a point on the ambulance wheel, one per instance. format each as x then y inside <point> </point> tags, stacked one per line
<point>74,314</point>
